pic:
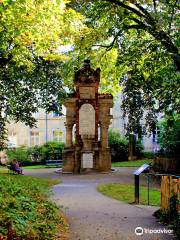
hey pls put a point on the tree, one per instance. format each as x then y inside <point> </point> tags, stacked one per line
<point>145,35</point>
<point>32,34</point>
<point>169,137</point>
<point>157,18</point>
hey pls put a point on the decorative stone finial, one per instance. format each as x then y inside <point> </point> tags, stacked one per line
<point>86,74</point>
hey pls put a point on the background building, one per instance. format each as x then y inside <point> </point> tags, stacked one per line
<point>119,124</point>
<point>50,127</point>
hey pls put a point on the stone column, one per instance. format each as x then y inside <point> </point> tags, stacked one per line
<point>70,105</point>
<point>105,118</point>
<point>104,136</point>
<point>69,135</point>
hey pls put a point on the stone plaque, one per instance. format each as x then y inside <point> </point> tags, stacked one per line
<point>87,160</point>
<point>87,120</point>
<point>87,92</point>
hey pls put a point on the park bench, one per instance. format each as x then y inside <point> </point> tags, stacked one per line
<point>56,163</point>
<point>10,169</point>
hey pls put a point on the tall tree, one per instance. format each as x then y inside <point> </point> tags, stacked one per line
<point>32,57</point>
<point>145,34</point>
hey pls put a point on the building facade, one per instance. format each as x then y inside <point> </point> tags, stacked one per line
<point>119,124</point>
<point>49,127</point>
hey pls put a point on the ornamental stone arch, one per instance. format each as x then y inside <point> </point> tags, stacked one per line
<point>89,111</point>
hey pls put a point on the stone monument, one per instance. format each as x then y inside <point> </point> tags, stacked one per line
<point>87,119</point>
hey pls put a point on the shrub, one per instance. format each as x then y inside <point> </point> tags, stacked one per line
<point>35,153</point>
<point>171,216</point>
<point>148,155</point>
<point>25,212</point>
<point>21,154</point>
<point>52,150</point>
<point>118,146</point>
<point>169,137</point>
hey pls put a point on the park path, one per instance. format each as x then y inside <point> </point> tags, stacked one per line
<point>93,216</point>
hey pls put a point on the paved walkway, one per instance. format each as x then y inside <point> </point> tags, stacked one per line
<point>93,216</point>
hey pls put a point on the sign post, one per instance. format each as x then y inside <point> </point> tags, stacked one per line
<point>138,171</point>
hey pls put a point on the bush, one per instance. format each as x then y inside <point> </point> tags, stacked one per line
<point>25,212</point>
<point>171,216</point>
<point>118,146</point>
<point>149,155</point>
<point>21,154</point>
<point>169,138</point>
<point>51,150</point>
<point>35,153</point>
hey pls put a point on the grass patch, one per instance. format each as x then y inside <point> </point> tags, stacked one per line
<point>137,163</point>
<point>125,193</point>
<point>35,166</point>
<point>3,169</point>
<point>26,213</point>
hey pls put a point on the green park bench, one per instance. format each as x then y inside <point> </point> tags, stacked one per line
<point>56,163</point>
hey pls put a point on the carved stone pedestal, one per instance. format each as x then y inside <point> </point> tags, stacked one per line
<point>68,160</point>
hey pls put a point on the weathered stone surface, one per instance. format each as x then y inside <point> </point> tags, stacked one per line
<point>68,160</point>
<point>87,160</point>
<point>87,92</point>
<point>87,120</point>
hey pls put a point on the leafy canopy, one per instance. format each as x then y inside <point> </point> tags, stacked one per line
<point>145,36</point>
<point>32,57</point>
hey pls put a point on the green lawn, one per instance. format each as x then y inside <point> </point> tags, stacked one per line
<point>125,193</point>
<point>35,167</point>
<point>137,163</point>
<point>25,206</point>
<point>4,169</point>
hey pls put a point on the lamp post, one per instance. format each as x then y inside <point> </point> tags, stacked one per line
<point>46,125</point>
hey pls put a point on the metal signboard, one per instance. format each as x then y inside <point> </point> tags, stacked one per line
<point>141,169</point>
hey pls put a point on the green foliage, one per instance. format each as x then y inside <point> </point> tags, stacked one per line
<point>145,37</point>
<point>32,60</point>
<point>118,146</point>
<point>171,217</point>
<point>149,155</point>
<point>52,150</point>
<point>169,137</point>
<point>35,153</point>
<point>21,154</point>
<point>26,210</point>
<point>49,150</point>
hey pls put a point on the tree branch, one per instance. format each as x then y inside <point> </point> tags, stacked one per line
<point>109,47</point>
<point>131,9</point>
<point>154,3</point>
<point>172,14</point>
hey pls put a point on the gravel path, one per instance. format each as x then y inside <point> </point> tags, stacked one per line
<point>93,216</point>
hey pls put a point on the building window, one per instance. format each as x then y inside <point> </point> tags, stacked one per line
<point>57,135</point>
<point>12,140</point>
<point>34,138</point>
<point>156,135</point>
